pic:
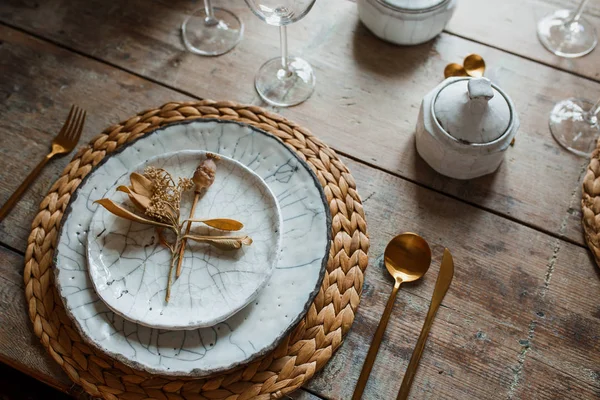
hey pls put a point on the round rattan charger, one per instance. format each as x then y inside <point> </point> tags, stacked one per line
<point>590,204</point>
<point>306,350</point>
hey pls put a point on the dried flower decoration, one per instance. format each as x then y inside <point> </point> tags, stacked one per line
<point>157,197</point>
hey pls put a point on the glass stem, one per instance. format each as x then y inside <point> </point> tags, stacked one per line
<point>284,49</point>
<point>591,115</point>
<point>578,12</point>
<point>210,13</point>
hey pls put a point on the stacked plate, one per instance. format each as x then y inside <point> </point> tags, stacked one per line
<point>226,308</point>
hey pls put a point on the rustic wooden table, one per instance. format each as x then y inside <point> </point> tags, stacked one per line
<point>522,318</point>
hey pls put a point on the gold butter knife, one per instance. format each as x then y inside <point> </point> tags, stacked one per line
<point>441,287</point>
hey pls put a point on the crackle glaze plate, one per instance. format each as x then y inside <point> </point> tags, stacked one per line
<point>129,267</point>
<point>255,329</point>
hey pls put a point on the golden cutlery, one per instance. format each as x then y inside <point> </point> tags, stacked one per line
<point>407,258</point>
<point>63,143</point>
<point>473,65</point>
<point>441,287</point>
<point>454,69</point>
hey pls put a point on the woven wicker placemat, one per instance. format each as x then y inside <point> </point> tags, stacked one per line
<point>590,205</point>
<point>294,361</point>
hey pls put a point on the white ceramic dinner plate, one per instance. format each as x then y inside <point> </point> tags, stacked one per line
<point>129,267</point>
<point>255,329</point>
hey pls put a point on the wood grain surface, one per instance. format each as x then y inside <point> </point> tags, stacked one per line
<point>522,318</point>
<point>511,25</point>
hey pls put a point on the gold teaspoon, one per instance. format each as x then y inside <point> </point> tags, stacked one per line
<point>474,65</point>
<point>454,69</point>
<point>407,258</point>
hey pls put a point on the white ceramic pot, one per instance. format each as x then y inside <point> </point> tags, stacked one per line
<point>465,125</point>
<point>406,22</point>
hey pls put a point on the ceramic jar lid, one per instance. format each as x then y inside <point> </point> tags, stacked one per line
<point>472,111</point>
<point>413,5</point>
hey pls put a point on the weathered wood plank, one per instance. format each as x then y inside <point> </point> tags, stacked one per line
<point>544,382</point>
<point>511,25</point>
<point>368,93</point>
<point>567,332</point>
<point>302,395</point>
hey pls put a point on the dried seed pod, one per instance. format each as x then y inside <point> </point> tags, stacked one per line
<point>204,176</point>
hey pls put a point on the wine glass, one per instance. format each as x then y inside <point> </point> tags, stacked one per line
<point>211,31</point>
<point>575,126</point>
<point>566,34</point>
<point>283,81</point>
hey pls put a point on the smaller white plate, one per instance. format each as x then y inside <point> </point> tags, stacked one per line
<point>129,268</point>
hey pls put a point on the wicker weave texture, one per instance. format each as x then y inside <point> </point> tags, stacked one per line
<point>590,204</point>
<point>306,350</point>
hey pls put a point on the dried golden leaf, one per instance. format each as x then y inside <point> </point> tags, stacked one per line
<point>123,213</point>
<point>140,201</point>
<point>222,242</point>
<point>224,224</point>
<point>141,185</point>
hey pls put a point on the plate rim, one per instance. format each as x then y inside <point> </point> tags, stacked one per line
<point>198,372</point>
<point>214,321</point>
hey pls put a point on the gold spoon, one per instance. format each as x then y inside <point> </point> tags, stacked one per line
<point>474,65</point>
<point>407,258</point>
<point>454,69</point>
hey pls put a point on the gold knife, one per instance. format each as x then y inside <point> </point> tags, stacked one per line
<point>441,287</point>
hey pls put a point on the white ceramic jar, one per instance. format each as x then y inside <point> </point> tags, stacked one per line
<point>406,22</point>
<point>465,125</point>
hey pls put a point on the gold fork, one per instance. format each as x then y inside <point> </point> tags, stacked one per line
<point>63,143</point>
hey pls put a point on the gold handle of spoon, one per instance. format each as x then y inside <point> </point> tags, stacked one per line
<point>368,365</point>
<point>407,258</point>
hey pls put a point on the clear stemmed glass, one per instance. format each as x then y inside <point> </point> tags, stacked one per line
<point>567,34</point>
<point>211,31</point>
<point>574,125</point>
<point>283,81</point>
